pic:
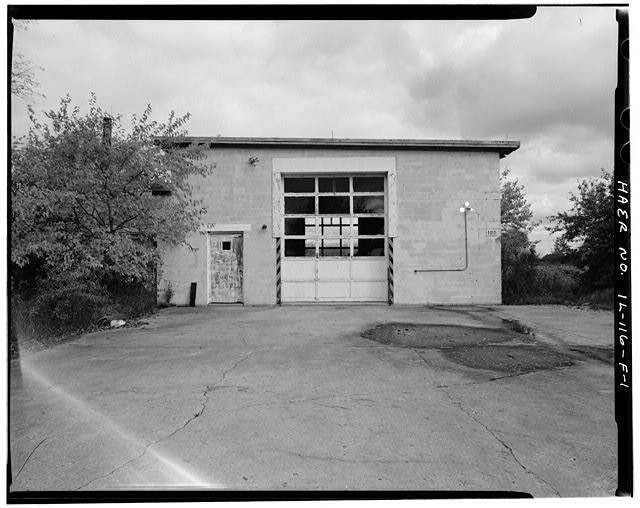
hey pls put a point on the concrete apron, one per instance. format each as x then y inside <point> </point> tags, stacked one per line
<point>294,398</point>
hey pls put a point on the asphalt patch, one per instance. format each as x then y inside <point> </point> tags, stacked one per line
<point>439,336</point>
<point>510,349</point>
<point>509,359</point>
<point>604,354</point>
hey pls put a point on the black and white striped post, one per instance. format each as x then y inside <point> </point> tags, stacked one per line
<point>278,277</point>
<point>390,271</point>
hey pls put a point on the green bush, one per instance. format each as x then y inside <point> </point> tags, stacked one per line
<point>69,309</point>
<point>601,299</point>
<point>56,312</point>
<point>67,302</point>
<point>557,282</point>
<point>52,303</point>
<point>130,298</point>
<point>547,300</point>
<point>518,276</point>
<point>527,281</point>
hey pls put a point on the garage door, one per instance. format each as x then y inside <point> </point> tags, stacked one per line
<point>334,239</point>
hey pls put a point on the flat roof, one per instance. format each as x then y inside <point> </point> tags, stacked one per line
<point>501,146</point>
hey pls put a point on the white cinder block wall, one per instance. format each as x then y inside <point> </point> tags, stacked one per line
<point>431,187</point>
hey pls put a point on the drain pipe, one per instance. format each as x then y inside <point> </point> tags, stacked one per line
<point>466,208</point>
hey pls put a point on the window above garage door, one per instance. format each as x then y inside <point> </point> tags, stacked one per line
<point>368,182</point>
<point>334,216</point>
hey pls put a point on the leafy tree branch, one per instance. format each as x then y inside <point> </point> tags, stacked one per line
<point>86,207</point>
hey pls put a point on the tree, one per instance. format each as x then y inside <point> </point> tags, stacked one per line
<point>23,82</point>
<point>586,230</point>
<point>84,208</point>
<point>518,252</point>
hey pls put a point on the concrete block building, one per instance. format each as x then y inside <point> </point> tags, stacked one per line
<point>344,220</point>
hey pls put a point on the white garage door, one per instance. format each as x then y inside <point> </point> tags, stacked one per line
<point>334,239</point>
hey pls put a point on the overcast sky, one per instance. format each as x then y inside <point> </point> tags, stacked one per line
<point>547,81</point>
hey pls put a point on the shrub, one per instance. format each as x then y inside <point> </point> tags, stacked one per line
<point>68,309</point>
<point>557,282</point>
<point>85,221</point>
<point>518,276</point>
<point>46,304</point>
<point>129,297</point>
<point>169,293</point>
<point>601,299</point>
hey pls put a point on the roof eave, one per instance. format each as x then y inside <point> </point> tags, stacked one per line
<point>503,147</point>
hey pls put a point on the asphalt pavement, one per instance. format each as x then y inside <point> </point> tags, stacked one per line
<point>296,397</point>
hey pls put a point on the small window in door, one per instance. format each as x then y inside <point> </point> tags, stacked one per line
<point>226,245</point>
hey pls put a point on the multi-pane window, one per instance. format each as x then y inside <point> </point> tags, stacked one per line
<point>334,216</point>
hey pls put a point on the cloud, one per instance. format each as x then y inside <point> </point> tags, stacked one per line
<point>525,77</point>
<point>547,81</point>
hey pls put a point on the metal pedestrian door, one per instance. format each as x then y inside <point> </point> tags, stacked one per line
<point>225,268</point>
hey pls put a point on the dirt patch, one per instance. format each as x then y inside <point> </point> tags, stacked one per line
<point>509,359</point>
<point>511,349</point>
<point>605,354</point>
<point>439,336</point>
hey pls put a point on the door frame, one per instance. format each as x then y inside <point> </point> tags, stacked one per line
<point>213,228</point>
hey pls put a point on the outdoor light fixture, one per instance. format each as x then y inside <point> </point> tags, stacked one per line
<point>466,207</point>
<point>254,160</point>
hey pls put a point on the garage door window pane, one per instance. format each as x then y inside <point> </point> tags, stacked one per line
<point>310,226</point>
<point>333,184</point>
<point>299,205</point>
<point>299,184</point>
<point>331,231</point>
<point>334,226</point>
<point>295,226</point>
<point>299,248</point>
<point>334,247</point>
<point>371,226</point>
<point>333,204</point>
<point>368,247</point>
<point>368,184</point>
<point>368,204</point>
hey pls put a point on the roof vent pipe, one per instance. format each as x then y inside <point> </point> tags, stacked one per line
<point>106,131</point>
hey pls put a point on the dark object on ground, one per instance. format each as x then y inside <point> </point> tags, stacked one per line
<point>192,295</point>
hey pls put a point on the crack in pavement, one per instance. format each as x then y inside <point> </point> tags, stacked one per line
<point>205,395</point>
<point>357,461</point>
<point>515,374</point>
<point>492,433</point>
<point>511,452</point>
<point>519,374</point>
<point>210,388</point>
<point>28,457</point>
<point>332,406</point>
